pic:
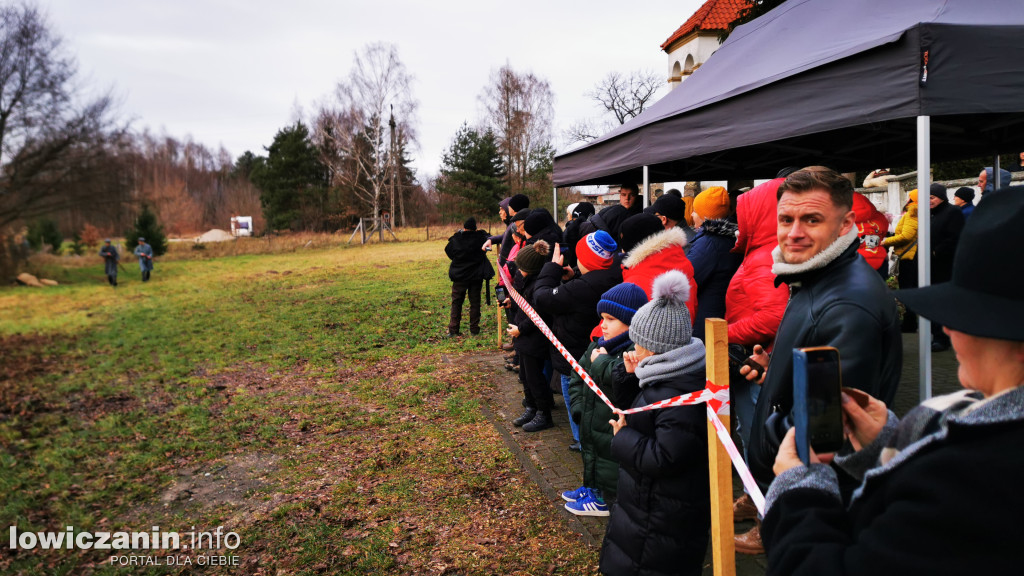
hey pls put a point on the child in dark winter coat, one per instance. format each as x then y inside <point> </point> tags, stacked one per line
<point>603,361</point>
<point>659,523</point>
<point>531,344</point>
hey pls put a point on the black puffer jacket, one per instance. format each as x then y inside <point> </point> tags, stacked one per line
<point>531,340</point>
<point>573,306</point>
<point>659,524</point>
<point>844,304</point>
<point>469,262</point>
<point>947,221</point>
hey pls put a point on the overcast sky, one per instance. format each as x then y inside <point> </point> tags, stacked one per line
<point>232,72</point>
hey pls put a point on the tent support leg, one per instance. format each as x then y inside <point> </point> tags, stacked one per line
<point>924,250</point>
<point>554,201</point>
<point>646,188</point>
<point>996,184</point>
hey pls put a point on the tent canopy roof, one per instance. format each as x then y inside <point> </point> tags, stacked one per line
<point>825,82</point>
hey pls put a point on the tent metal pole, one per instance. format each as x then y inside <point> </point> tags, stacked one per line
<point>996,184</point>
<point>924,249</point>
<point>647,184</point>
<point>554,200</point>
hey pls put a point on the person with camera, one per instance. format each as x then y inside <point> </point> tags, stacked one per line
<point>930,481</point>
<point>836,299</point>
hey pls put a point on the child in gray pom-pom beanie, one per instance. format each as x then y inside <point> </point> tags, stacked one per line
<point>660,521</point>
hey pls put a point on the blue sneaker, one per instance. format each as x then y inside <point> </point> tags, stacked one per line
<point>574,495</point>
<point>590,505</point>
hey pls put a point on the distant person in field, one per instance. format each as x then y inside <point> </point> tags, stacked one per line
<point>468,270</point>
<point>145,254</point>
<point>110,260</point>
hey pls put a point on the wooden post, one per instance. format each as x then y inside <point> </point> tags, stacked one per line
<point>723,548</point>
<point>499,323</point>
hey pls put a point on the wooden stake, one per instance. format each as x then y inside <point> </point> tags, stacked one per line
<point>723,548</point>
<point>499,324</point>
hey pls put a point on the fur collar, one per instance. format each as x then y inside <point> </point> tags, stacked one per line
<point>819,260</point>
<point>653,244</point>
<point>720,228</point>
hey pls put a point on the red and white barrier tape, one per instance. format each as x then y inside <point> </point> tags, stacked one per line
<point>715,397</point>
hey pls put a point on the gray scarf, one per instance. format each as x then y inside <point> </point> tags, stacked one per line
<point>671,364</point>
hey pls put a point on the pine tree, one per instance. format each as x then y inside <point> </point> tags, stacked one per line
<point>473,172</point>
<point>292,180</point>
<point>146,226</point>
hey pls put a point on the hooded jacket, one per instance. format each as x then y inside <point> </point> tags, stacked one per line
<point>870,223</point>
<point>754,303</point>
<point>656,255</point>
<point>713,267</point>
<point>469,262</point>
<point>573,306</point>
<point>837,300</point>
<point>530,340</point>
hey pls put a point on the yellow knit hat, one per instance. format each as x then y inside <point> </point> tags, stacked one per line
<point>712,203</point>
<point>913,195</point>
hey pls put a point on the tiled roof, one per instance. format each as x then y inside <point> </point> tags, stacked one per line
<point>713,15</point>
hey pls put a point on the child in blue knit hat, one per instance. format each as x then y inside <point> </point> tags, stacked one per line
<point>603,361</point>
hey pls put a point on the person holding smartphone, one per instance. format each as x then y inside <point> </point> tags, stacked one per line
<point>939,490</point>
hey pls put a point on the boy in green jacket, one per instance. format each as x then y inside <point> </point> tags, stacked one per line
<point>603,361</point>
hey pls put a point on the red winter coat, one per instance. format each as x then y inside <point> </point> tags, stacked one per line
<point>754,305</point>
<point>870,222</point>
<point>655,256</point>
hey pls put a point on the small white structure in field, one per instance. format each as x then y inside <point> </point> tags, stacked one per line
<point>241,225</point>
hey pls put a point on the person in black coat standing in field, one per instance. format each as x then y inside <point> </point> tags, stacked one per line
<point>468,270</point>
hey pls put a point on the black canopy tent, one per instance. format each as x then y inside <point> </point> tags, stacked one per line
<point>853,84</point>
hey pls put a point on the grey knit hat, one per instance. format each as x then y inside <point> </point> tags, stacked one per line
<point>664,324</point>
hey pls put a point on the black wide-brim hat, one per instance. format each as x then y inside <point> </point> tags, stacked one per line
<point>986,294</point>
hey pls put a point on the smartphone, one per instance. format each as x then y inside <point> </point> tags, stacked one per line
<point>817,411</point>
<point>499,294</point>
<point>738,357</point>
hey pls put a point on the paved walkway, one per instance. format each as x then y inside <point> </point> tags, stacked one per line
<point>546,457</point>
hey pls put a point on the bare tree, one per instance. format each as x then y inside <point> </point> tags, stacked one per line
<point>623,96</point>
<point>519,107</point>
<point>55,152</point>
<point>352,133</point>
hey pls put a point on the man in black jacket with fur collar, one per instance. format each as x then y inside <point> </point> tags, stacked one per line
<point>836,299</point>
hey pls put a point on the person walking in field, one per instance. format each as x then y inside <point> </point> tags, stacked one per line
<point>145,254</point>
<point>110,261</point>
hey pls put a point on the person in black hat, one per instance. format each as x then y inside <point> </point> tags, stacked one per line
<point>947,222</point>
<point>468,270</point>
<point>963,198</point>
<point>926,478</point>
<point>672,213</point>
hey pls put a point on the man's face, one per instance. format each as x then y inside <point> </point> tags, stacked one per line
<point>666,222</point>
<point>502,214</point>
<point>809,223</point>
<point>934,201</point>
<point>626,198</point>
<point>958,201</point>
<point>982,180</point>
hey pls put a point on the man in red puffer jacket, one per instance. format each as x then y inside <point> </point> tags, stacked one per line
<point>754,306</point>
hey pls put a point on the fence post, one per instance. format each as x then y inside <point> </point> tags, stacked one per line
<point>723,547</point>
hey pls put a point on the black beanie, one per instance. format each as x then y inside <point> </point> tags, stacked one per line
<point>965,193</point>
<point>518,202</point>
<point>537,221</point>
<point>670,207</point>
<point>470,224</point>
<point>939,191</point>
<point>638,228</point>
<point>583,210</point>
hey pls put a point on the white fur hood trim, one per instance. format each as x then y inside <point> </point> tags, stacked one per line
<point>819,260</point>
<point>656,243</point>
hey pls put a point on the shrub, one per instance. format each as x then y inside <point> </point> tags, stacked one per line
<point>44,232</point>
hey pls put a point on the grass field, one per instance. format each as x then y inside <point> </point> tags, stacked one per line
<point>301,397</point>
